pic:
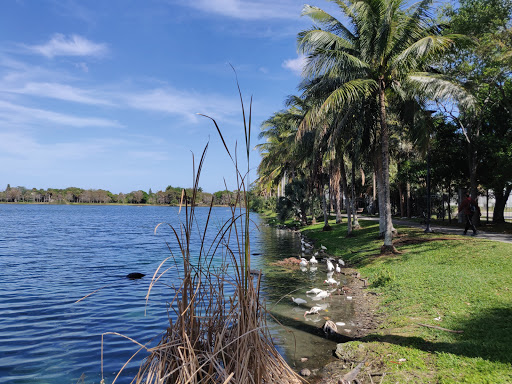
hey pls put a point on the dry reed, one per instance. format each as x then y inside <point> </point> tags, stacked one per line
<point>213,337</point>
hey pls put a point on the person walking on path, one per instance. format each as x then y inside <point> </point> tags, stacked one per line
<point>469,207</point>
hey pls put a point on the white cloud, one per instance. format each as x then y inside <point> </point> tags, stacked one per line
<point>186,104</point>
<point>295,65</point>
<point>60,92</point>
<point>17,114</point>
<point>249,10</point>
<point>75,45</point>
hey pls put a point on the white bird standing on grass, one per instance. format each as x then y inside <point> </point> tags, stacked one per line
<point>341,262</point>
<point>338,269</point>
<point>323,248</point>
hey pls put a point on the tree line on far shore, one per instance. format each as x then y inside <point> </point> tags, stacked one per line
<point>171,196</point>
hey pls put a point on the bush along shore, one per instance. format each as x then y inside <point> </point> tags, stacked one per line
<point>439,311</point>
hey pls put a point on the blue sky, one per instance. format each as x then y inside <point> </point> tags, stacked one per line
<point>104,94</point>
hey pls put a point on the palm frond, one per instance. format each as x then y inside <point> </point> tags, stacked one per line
<point>441,87</point>
<point>320,17</point>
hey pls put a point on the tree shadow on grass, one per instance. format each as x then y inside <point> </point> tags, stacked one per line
<point>487,335</point>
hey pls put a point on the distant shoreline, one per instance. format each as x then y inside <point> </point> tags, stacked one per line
<point>106,204</point>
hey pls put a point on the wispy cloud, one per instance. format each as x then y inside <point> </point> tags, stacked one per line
<point>295,65</point>
<point>74,45</point>
<point>248,10</point>
<point>60,92</point>
<point>175,102</point>
<point>17,114</point>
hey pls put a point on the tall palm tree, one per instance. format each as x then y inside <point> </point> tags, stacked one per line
<point>278,150</point>
<point>385,48</point>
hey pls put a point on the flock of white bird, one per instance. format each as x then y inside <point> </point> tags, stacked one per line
<point>317,294</point>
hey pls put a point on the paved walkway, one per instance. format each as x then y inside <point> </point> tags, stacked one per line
<point>504,238</point>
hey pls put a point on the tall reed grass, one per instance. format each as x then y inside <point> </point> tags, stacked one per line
<point>213,337</point>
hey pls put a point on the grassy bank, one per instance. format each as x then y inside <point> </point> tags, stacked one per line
<point>457,283</point>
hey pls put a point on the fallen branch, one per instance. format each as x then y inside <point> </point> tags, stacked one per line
<point>351,376</point>
<point>440,328</point>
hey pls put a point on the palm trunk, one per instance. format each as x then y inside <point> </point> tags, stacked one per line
<point>408,197</point>
<point>336,180</point>
<point>326,227</point>
<point>448,202</point>
<point>374,194</point>
<point>388,228</point>
<point>355,223</point>
<point>473,166</point>
<point>402,200</point>
<point>382,213</point>
<point>347,199</point>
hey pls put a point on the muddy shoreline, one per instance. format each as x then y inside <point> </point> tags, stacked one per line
<point>365,320</point>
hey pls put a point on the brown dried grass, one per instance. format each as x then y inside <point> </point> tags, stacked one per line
<point>213,337</point>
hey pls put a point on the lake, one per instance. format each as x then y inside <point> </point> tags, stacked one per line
<point>53,255</point>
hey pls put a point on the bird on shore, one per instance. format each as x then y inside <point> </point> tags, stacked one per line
<point>341,262</point>
<point>338,269</point>
<point>346,289</point>
<point>331,281</point>
<point>323,248</point>
<point>314,291</point>
<point>303,262</point>
<point>313,310</point>
<point>330,266</point>
<point>330,328</point>
<point>299,301</point>
<point>321,295</point>
<point>313,260</point>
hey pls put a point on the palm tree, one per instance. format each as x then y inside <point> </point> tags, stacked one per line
<point>277,152</point>
<point>384,49</point>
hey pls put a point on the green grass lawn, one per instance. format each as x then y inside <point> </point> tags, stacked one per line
<point>467,282</point>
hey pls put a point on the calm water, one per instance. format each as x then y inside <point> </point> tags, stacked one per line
<point>51,256</point>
